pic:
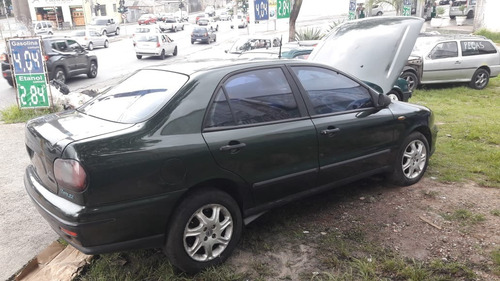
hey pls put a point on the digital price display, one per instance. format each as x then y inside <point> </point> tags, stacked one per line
<point>29,72</point>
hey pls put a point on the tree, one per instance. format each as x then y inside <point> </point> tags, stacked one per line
<point>294,14</point>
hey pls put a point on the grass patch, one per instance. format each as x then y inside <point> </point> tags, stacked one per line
<point>494,36</point>
<point>495,255</point>
<point>15,115</point>
<point>468,138</point>
<point>464,216</point>
<point>495,212</point>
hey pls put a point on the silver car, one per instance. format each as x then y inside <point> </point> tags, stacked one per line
<point>90,39</point>
<point>452,59</point>
<point>151,44</point>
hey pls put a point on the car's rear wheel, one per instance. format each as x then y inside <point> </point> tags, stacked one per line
<point>480,79</point>
<point>90,46</point>
<point>139,56</point>
<point>60,75</point>
<point>395,95</point>
<point>162,56</point>
<point>92,70</point>
<point>204,230</point>
<point>452,17</point>
<point>104,33</point>
<point>175,51</point>
<point>412,160</point>
<point>411,79</point>
<point>117,31</point>
<point>106,44</point>
<point>192,42</point>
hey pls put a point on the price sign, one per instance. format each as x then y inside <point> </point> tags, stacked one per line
<point>29,72</point>
<point>407,8</point>
<point>352,10</point>
<point>261,9</point>
<point>284,8</point>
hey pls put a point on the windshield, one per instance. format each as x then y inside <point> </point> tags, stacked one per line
<point>99,22</point>
<point>78,33</point>
<point>137,98</point>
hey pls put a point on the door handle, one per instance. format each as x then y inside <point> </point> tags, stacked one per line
<point>330,131</point>
<point>458,62</point>
<point>234,147</point>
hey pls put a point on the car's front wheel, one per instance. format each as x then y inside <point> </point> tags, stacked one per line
<point>480,79</point>
<point>92,70</point>
<point>139,56</point>
<point>175,52</point>
<point>117,31</point>
<point>60,75</point>
<point>90,46</point>
<point>411,160</point>
<point>204,230</point>
<point>411,79</point>
<point>106,44</point>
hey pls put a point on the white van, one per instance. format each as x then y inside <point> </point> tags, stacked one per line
<point>43,27</point>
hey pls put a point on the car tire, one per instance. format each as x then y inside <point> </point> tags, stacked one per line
<point>379,13</point>
<point>92,70</point>
<point>411,160</point>
<point>480,79</point>
<point>162,55</point>
<point>411,79</point>
<point>182,27</point>
<point>139,56</point>
<point>175,52</point>
<point>223,222</point>
<point>90,46</point>
<point>117,31</point>
<point>452,17</point>
<point>11,82</point>
<point>104,33</point>
<point>106,44</point>
<point>192,42</point>
<point>215,38</point>
<point>395,95</point>
<point>60,75</point>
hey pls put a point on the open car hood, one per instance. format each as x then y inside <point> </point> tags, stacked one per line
<point>372,49</point>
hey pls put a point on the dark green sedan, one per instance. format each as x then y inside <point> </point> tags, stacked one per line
<point>182,157</point>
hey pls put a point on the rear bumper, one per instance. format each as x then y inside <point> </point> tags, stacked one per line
<point>121,226</point>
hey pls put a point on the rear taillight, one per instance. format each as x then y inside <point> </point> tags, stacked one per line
<point>206,35</point>
<point>158,44</point>
<point>3,57</point>
<point>70,174</point>
<point>46,58</point>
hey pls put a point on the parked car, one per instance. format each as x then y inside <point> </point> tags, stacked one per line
<point>247,43</point>
<point>377,10</point>
<point>90,39</point>
<point>469,6</point>
<point>199,16</point>
<point>146,19</point>
<point>239,21</point>
<point>190,153</point>
<point>151,44</point>
<point>64,57</point>
<point>452,59</point>
<point>444,2</point>
<point>181,15</point>
<point>105,25</point>
<point>209,22</point>
<point>203,35</point>
<point>171,24</point>
<point>43,27</point>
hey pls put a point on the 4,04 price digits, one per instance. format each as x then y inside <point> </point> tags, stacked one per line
<point>35,96</point>
<point>29,61</point>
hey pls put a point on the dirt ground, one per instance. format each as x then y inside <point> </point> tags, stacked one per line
<point>421,222</point>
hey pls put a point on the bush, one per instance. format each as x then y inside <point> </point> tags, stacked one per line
<point>308,34</point>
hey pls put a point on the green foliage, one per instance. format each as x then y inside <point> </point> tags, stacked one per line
<point>464,216</point>
<point>13,114</point>
<point>308,34</point>
<point>468,138</point>
<point>493,36</point>
<point>496,261</point>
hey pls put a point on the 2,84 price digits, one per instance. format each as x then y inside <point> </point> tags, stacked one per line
<point>28,61</point>
<point>34,96</point>
<point>283,9</point>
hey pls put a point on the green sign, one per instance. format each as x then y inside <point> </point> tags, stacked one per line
<point>29,72</point>
<point>284,8</point>
<point>406,11</point>
<point>32,90</point>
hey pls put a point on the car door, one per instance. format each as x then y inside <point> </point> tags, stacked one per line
<point>443,64</point>
<point>354,138</point>
<point>168,45</point>
<point>79,55</point>
<point>258,129</point>
<point>97,38</point>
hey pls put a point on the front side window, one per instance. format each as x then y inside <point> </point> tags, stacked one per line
<point>473,48</point>
<point>330,91</point>
<point>444,50</point>
<point>252,97</point>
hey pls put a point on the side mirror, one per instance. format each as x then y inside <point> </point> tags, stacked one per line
<point>383,100</point>
<point>225,51</point>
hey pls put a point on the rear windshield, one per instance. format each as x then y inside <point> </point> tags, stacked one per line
<point>200,30</point>
<point>78,33</point>
<point>100,22</point>
<point>147,38</point>
<point>137,98</point>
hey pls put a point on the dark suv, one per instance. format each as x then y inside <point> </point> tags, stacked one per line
<point>64,57</point>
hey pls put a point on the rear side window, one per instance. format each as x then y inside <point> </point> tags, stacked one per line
<point>252,97</point>
<point>330,91</point>
<point>473,48</point>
